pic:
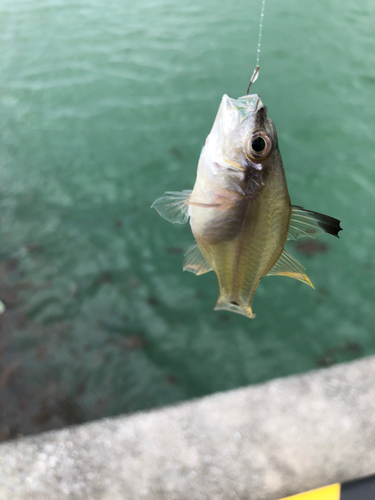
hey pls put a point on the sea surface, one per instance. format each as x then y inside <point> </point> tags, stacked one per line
<point>106,105</point>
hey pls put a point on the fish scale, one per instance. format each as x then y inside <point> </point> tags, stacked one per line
<point>258,247</point>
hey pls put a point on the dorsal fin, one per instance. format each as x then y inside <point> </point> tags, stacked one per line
<point>173,206</point>
<point>195,262</point>
<point>307,224</point>
<point>289,266</point>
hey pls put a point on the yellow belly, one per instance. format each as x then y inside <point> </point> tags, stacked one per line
<point>243,243</point>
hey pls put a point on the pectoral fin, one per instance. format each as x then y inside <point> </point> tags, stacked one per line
<point>195,262</point>
<point>173,206</point>
<point>304,223</point>
<point>289,266</point>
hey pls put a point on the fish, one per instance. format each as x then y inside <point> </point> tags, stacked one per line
<point>239,208</point>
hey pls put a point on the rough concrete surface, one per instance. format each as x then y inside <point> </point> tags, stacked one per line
<point>258,443</point>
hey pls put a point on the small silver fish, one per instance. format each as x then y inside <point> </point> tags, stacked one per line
<point>240,211</point>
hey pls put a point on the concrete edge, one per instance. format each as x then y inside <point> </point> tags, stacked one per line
<point>261,442</point>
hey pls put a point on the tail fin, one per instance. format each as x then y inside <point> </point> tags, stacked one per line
<point>225,304</point>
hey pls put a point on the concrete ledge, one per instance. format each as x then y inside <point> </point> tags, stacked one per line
<point>258,443</point>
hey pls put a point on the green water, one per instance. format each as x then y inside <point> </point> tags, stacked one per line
<point>106,105</point>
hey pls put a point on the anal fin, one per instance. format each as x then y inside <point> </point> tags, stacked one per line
<point>195,262</point>
<point>289,266</point>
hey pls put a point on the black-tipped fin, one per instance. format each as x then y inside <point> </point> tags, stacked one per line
<point>195,262</point>
<point>307,224</point>
<point>173,206</point>
<point>289,266</point>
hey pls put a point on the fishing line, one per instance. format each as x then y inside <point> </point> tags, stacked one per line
<point>257,68</point>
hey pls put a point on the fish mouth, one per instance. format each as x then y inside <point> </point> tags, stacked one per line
<point>250,107</point>
<point>245,104</point>
<point>252,103</point>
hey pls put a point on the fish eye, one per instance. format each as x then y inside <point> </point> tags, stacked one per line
<point>259,146</point>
